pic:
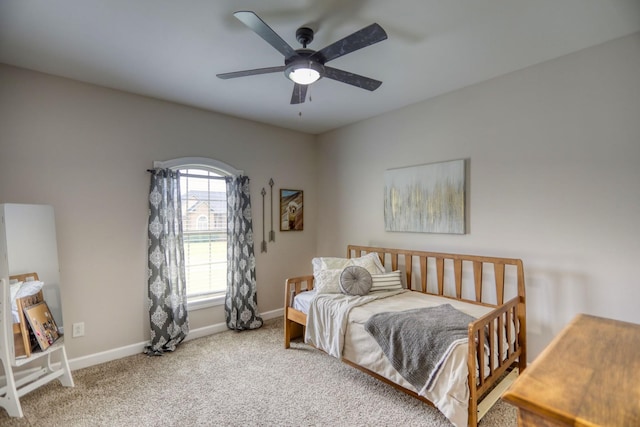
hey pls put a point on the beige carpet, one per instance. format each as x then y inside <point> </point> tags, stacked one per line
<point>231,379</point>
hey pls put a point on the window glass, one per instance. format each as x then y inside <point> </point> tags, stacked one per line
<point>204,225</point>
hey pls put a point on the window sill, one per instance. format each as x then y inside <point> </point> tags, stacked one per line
<point>200,303</point>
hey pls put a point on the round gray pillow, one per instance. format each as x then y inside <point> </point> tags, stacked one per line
<point>355,280</point>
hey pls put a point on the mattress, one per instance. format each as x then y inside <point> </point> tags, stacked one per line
<point>450,393</point>
<point>302,301</point>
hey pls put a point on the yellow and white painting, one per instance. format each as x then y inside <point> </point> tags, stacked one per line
<point>427,198</point>
<point>291,210</point>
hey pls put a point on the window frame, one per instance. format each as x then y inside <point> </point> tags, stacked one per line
<point>211,165</point>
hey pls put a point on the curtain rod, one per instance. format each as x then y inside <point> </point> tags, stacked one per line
<point>198,162</point>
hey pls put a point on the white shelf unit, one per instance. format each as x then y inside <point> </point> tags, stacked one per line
<point>21,226</point>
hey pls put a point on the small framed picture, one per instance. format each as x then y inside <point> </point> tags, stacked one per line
<point>42,324</point>
<point>291,211</point>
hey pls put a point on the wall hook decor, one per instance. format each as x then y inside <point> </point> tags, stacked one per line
<point>263,245</point>
<point>272,234</point>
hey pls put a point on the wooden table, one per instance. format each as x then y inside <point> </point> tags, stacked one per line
<point>588,376</point>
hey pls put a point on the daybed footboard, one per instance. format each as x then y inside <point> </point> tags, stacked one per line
<point>294,320</point>
<point>491,333</point>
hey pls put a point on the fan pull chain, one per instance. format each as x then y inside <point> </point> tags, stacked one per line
<point>309,90</point>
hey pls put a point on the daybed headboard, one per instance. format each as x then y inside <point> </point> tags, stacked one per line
<point>473,278</point>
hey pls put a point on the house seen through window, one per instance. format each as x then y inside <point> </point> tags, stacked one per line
<point>204,226</point>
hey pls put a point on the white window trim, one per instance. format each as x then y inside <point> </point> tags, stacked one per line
<point>212,301</point>
<point>217,166</point>
<point>220,168</point>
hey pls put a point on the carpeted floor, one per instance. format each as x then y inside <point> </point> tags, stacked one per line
<point>231,379</point>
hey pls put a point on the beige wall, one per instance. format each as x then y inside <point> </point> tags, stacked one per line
<point>552,150</point>
<point>85,149</point>
<point>554,153</point>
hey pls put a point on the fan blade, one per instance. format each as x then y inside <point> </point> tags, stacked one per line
<point>253,72</point>
<point>259,27</point>
<point>299,94</point>
<point>351,78</point>
<point>362,38</point>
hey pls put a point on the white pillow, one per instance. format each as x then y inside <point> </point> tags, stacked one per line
<point>370,261</point>
<point>386,281</point>
<point>328,281</point>
<point>330,263</point>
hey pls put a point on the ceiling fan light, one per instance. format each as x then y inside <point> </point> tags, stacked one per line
<point>304,76</point>
<point>304,72</point>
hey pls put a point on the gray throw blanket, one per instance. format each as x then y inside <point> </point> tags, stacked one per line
<point>417,342</point>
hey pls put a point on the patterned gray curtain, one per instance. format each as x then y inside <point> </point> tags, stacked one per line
<point>241,302</point>
<point>167,284</point>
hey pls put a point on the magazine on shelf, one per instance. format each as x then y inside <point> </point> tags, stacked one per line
<point>42,324</point>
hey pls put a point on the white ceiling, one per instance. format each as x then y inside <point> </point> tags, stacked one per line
<point>172,49</point>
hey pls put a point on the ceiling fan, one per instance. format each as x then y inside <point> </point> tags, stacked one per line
<point>305,66</point>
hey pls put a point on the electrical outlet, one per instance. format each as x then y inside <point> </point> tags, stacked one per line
<point>78,330</point>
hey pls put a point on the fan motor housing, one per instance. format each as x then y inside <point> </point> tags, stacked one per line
<point>300,54</point>
<point>304,35</point>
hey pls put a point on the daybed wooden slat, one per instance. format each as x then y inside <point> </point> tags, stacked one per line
<point>492,347</point>
<point>457,270</point>
<point>506,319</point>
<point>408,262</point>
<point>394,262</point>
<point>472,362</point>
<point>477,277</point>
<point>499,272</point>
<point>423,274</point>
<point>501,337</point>
<point>522,319</point>
<point>440,272</point>
<point>480,337</point>
<point>511,348</point>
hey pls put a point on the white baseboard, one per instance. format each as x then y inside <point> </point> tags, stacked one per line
<point>130,350</point>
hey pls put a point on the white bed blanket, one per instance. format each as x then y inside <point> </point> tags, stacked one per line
<point>327,319</point>
<point>347,338</point>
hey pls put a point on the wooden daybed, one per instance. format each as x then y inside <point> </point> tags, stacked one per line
<point>478,280</point>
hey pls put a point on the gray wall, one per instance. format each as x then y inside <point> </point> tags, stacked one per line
<point>84,150</point>
<point>554,153</point>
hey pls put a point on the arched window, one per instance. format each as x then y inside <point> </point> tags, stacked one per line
<point>204,212</point>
